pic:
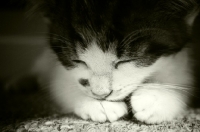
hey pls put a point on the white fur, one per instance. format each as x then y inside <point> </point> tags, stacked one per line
<point>64,89</point>
<point>150,104</point>
<point>157,103</point>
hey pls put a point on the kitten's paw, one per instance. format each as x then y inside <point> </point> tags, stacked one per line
<point>114,110</point>
<point>156,106</point>
<point>102,111</point>
<point>91,110</point>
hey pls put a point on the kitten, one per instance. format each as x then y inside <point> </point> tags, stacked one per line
<point>104,51</point>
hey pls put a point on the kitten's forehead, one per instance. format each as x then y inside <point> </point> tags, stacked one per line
<point>99,61</point>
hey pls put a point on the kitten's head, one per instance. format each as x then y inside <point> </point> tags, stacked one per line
<point>112,46</point>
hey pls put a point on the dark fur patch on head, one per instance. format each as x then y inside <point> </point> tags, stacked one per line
<point>138,29</point>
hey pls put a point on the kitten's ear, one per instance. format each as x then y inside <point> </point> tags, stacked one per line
<point>190,18</point>
<point>188,9</point>
<point>44,7</point>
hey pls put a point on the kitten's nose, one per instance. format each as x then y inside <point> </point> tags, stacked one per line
<point>102,94</point>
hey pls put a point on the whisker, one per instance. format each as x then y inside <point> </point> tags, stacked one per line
<point>133,34</point>
<point>55,36</point>
<point>44,86</point>
<point>171,86</point>
<point>161,86</point>
<point>182,102</point>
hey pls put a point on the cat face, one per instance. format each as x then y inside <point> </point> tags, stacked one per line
<point>111,47</point>
<point>114,73</point>
<point>103,75</point>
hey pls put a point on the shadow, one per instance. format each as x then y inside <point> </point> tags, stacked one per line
<point>16,107</point>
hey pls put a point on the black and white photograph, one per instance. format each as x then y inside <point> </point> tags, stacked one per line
<point>100,66</point>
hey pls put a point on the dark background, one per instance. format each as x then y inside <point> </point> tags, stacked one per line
<point>22,37</point>
<point>12,4</point>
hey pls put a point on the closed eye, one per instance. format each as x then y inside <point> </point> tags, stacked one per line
<point>122,62</point>
<point>79,62</point>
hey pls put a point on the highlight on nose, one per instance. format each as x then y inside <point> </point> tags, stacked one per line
<point>102,94</point>
<point>84,82</point>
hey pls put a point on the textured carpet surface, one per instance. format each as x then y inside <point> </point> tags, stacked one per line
<point>36,113</point>
<point>69,123</point>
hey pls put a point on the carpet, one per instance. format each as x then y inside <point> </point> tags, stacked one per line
<point>69,123</point>
<point>35,112</point>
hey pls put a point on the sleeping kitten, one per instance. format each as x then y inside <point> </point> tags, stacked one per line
<point>104,51</point>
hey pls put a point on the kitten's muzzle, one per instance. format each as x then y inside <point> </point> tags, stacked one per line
<point>98,90</point>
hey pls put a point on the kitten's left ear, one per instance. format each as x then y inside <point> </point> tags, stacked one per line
<point>187,9</point>
<point>191,16</point>
<point>43,7</point>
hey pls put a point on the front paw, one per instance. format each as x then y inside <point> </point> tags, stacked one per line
<point>91,109</point>
<point>101,111</point>
<point>114,110</point>
<point>156,106</point>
